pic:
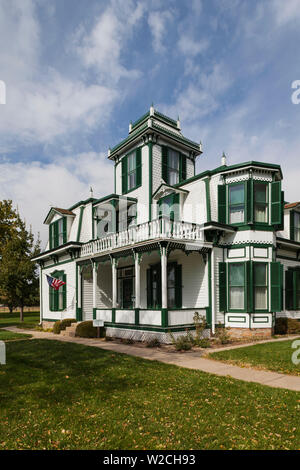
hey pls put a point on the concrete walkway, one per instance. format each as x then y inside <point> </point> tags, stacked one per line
<point>188,359</point>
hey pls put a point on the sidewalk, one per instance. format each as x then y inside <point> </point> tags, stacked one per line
<point>189,359</point>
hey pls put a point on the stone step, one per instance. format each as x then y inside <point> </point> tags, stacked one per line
<point>70,330</point>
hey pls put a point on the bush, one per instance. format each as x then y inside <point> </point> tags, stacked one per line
<point>284,326</point>
<point>222,335</point>
<point>57,327</point>
<point>183,342</point>
<point>153,343</point>
<point>67,322</point>
<point>85,329</point>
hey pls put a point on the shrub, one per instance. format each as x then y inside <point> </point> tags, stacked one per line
<point>153,343</point>
<point>285,326</point>
<point>222,335</point>
<point>67,322</point>
<point>183,342</point>
<point>57,327</point>
<point>85,329</point>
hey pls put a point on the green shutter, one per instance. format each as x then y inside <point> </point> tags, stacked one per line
<point>222,204</point>
<point>222,287</point>
<point>65,230</point>
<point>149,288</point>
<point>249,290</point>
<point>50,236</point>
<point>292,225</point>
<point>182,172</point>
<point>64,289</point>
<point>281,226</point>
<point>249,201</point>
<point>138,166</point>
<point>164,163</point>
<point>124,175</point>
<point>289,290</point>
<point>276,286</point>
<point>178,286</point>
<point>51,299</point>
<point>276,205</point>
<point>56,234</point>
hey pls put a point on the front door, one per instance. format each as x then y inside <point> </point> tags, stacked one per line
<point>127,300</point>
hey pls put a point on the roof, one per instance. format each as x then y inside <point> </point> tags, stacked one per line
<point>148,123</point>
<point>291,205</point>
<point>225,168</point>
<point>60,211</point>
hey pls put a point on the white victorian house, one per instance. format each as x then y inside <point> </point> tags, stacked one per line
<point>169,243</point>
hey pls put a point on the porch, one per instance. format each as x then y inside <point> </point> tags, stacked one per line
<point>151,289</point>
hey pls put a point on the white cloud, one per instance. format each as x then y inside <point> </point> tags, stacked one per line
<point>35,187</point>
<point>157,21</point>
<point>190,47</point>
<point>286,11</point>
<point>103,46</point>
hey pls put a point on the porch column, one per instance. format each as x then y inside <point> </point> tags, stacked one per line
<point>164,296</point>
<point>137,266</point>
<point>114,282</point>
<point>95,277</point>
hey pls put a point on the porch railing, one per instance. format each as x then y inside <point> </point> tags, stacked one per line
<point>162,228</point>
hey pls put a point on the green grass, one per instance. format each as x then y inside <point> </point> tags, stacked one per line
<point>275,356</point>
<point>9,335</point>
<point>31,319</point>
<point>56,395</point>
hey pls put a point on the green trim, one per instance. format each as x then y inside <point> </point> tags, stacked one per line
<point>260,319</point>
<point>136,316</point>
<point>127,326</point>
<point>150,147</point>
<point>243,245</point>
<point>80,223</point>
<point>94,313</point>
<point>207,192</point>
<point>209,309</point>
<point>235,319</point>
<point>113,315</point>
<point>164,317</point>
<point>54,294</point>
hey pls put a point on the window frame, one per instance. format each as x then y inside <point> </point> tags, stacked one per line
<point>177,279</point>
<point>254,285</point>
<point>54,233</point>
<point>166,167</point>
<point>267,203</point>
<point>137,170</point>
<point>174,216</point>
<point>296,229</point>
<point>229,309</point>
<point>228,205</point>
<point>54,295</point>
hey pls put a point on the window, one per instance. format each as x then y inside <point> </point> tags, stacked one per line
<point>292,289</point>
<point>174,286</point>
<point>296,226</point>
<point>58,298</point>
<point>169,206</point>
<point>260,286</point>
<point>126,287</point>
<point>58,233</point>
<point>173,166</point>
<point>236,286</point>
<point>260,194</point>
<point>236,198</point>
<point>131,171</point>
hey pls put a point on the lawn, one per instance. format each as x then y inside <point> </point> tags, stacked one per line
<point>56,395</point>
<point>9,336</point>
<point>31,319</point>
<point>275,356</point>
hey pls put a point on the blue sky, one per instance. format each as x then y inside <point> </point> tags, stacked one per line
<point>77,72</point>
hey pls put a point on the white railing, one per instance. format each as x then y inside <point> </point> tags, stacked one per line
<point>162,228</point>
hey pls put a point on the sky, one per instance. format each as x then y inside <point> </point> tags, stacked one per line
<point>77,72</point>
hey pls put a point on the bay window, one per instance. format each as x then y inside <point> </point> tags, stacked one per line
<point>260,285</point>
<point>260,195</point>
<point>236,286</point>
<point>236,203</point>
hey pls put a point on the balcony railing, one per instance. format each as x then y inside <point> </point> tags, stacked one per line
<point>162,228</point>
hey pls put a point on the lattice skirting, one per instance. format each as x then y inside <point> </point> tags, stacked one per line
<point>145,336</point>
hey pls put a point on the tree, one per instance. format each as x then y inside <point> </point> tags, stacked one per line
<point>19,284</point>
<point>9,221</point>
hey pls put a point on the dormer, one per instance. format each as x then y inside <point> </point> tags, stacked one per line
<point>59,221</point>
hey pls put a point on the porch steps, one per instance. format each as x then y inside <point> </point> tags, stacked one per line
<point>69,331</point>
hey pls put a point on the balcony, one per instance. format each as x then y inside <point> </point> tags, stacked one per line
<point>156,230</point>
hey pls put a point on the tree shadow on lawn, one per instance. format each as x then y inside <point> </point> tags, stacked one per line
<point>57,372</point>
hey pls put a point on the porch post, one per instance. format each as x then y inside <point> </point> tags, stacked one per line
<point>114,282</point>
<point>164,297</point>
<point>95,277</point>
<point>137,267</point>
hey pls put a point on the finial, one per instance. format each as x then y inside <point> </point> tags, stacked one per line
<point>200,146</point>
<point>178,123</point>
<point>91,192</point>
<point>151,110</point>
<point>108,153</point>
<point>130,126</point>
<point>223,160</point>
